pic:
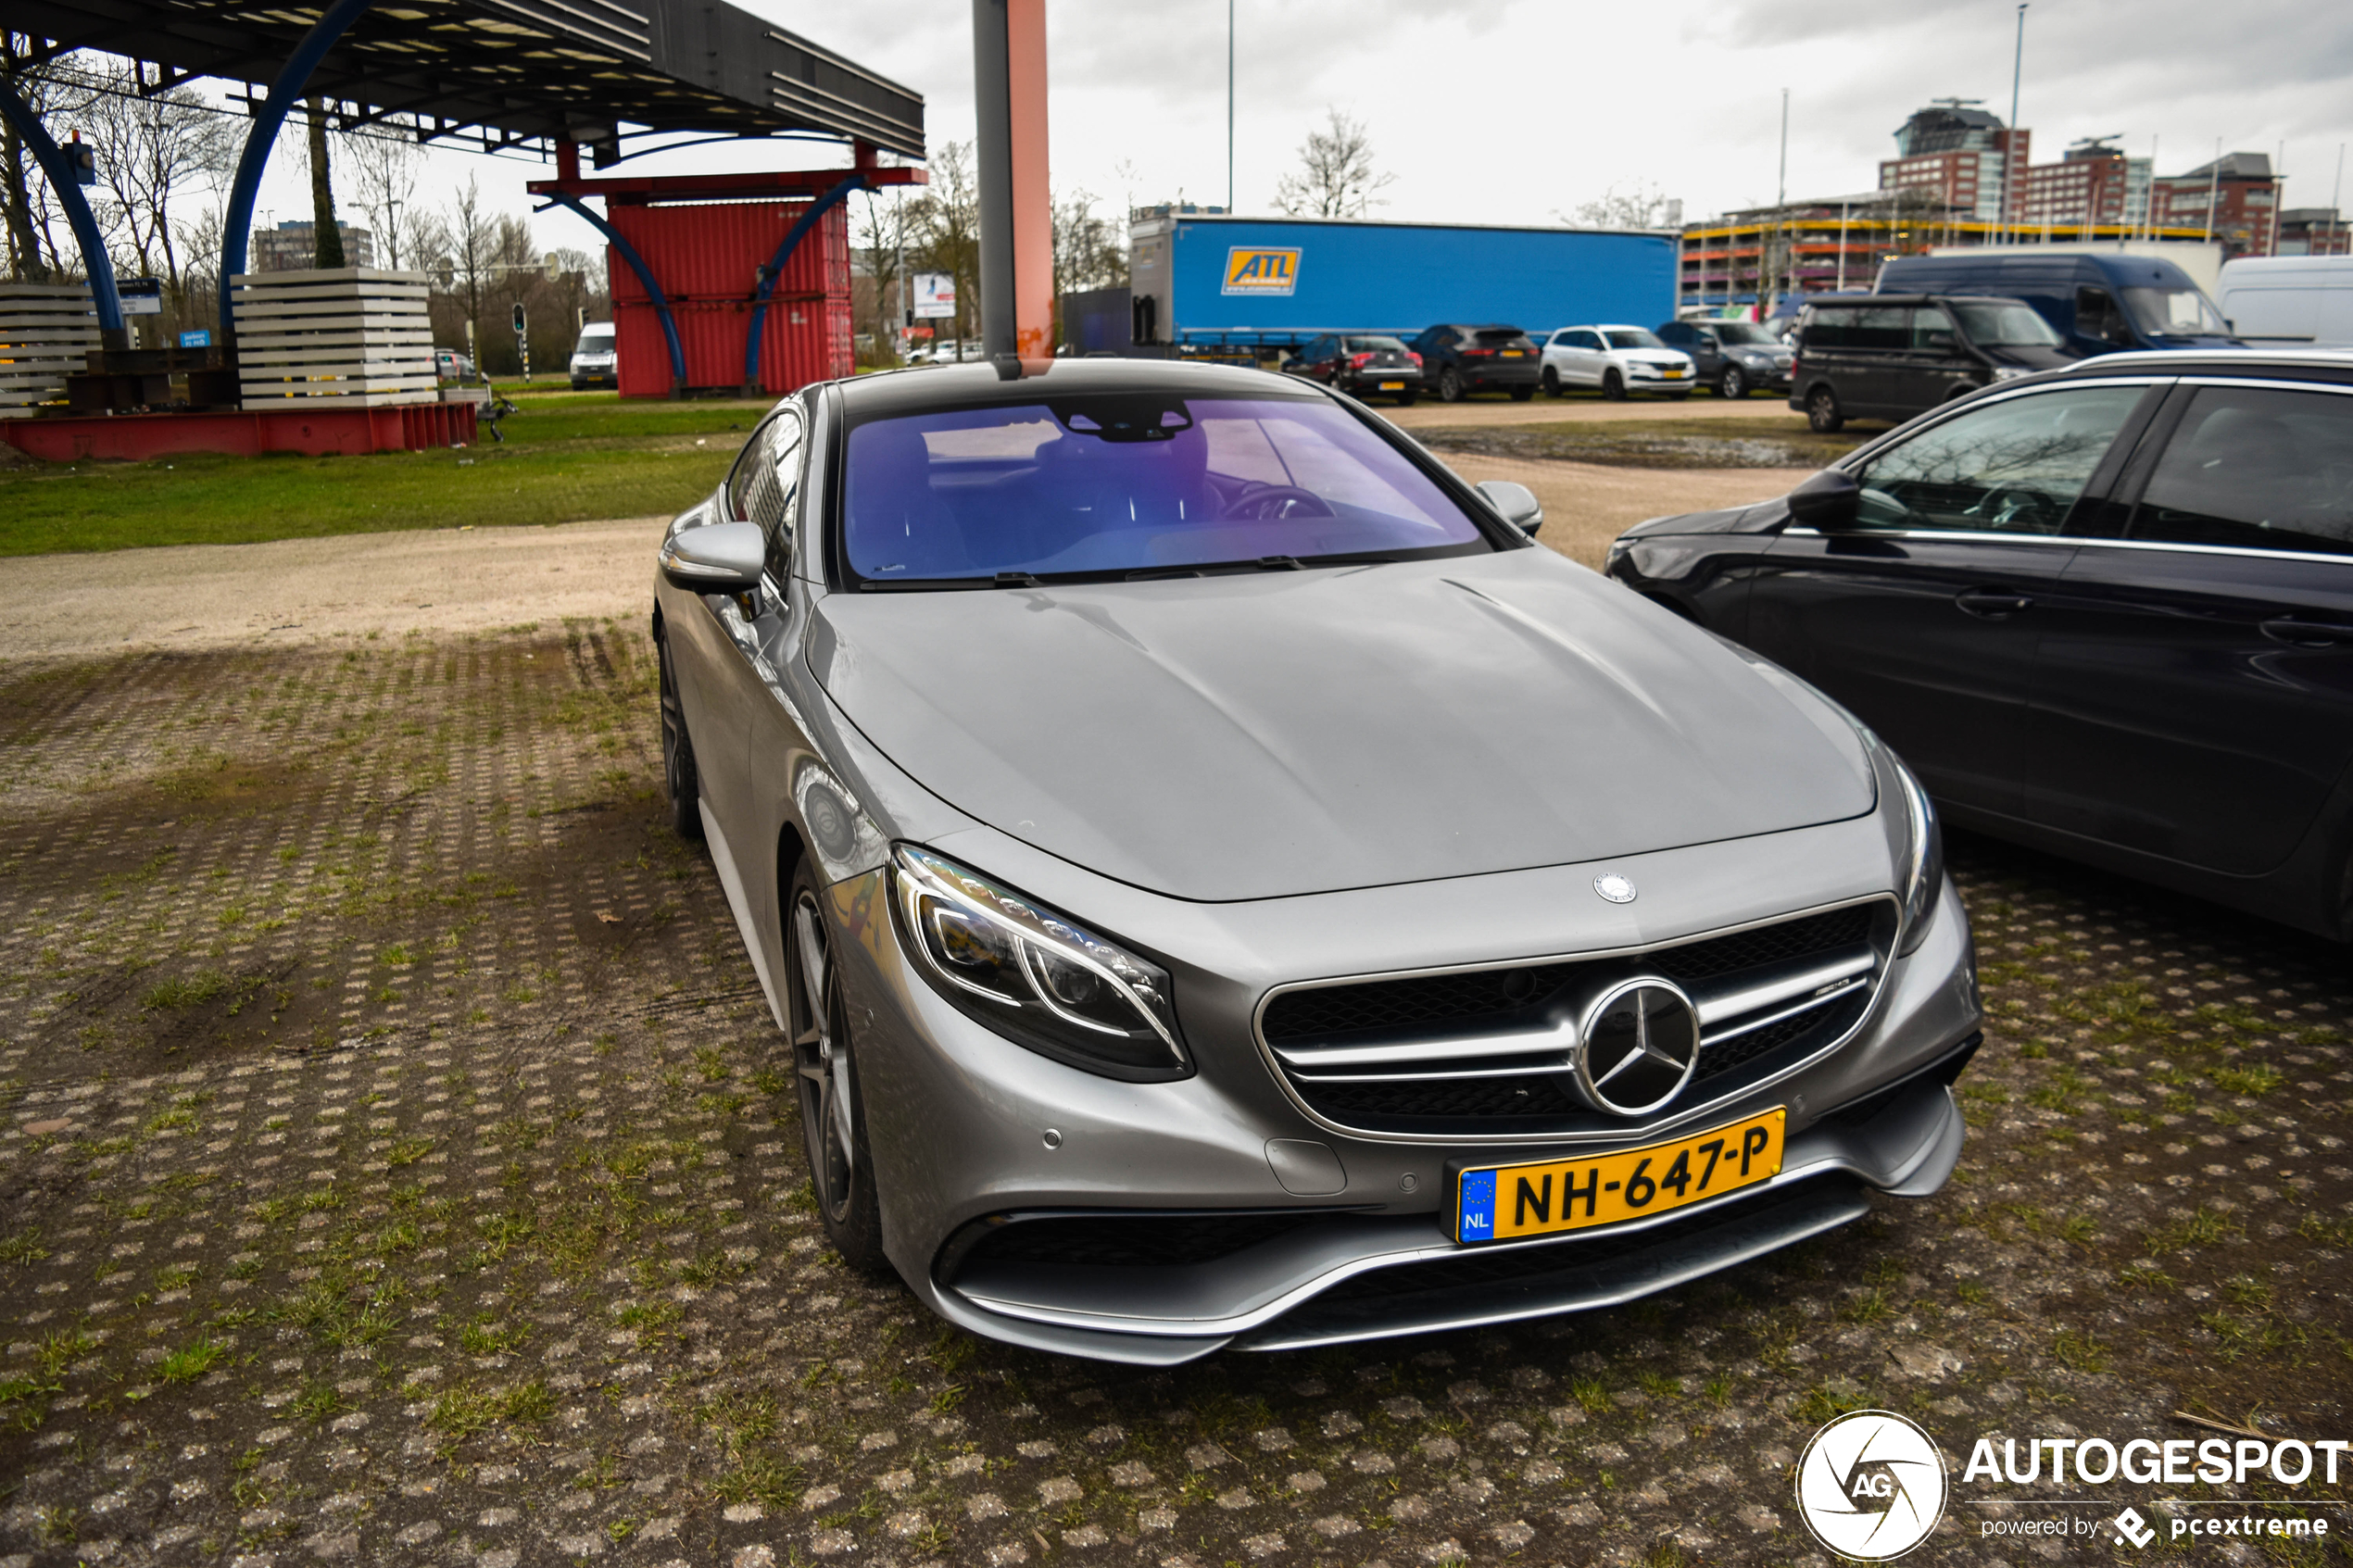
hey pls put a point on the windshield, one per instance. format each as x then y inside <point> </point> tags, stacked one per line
<point>1632,337</point>
<point>2005,326</point>
<point>1737,334</point>
<point>1375,346</point>
<point>2174,313</point>
<point>596,338</point>
<point>1137,482</point>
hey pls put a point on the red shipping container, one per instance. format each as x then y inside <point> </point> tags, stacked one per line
<point>707,258</point>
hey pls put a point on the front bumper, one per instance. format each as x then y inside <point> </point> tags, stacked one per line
<point>959,1119</point>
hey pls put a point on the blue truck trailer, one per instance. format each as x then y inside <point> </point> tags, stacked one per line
<point>1216,283</point>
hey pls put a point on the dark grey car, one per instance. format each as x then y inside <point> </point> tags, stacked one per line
<point>1735,357</point>
<point>1222,885</point>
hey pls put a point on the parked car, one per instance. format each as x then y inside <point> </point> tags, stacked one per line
<point>2097,304</point>
<point>596,360</point>
<point>1160,803</point>
<point>2106,612</point>
<point>1892,356</point>
<point>1459,360</point>
<point>1732,357</point>
<point>1616,360</point>
<point>2289,301</point>
<point>450,365</point>
<point>1359,364</point>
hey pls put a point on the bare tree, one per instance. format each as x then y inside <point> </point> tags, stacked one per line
<point>1087,254</point>
<point>381,167</point>
<point>159,154</point>
<point>1337,176</point>
<point>1644,206</point>
<point>52,89</point>
<point>468,240</point>
<point>877,235</point>
<point>945,223</point>
<point>326,238</point>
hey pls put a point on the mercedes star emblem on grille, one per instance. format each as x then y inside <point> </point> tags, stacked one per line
<point>1637,1046</point>
<point>1614,887</point>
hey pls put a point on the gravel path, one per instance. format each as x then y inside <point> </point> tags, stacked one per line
<point>397,1166</point>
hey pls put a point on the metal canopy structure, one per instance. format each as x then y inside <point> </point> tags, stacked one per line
<point>504,73</point>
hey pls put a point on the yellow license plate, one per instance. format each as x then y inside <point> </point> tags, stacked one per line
<point>1501,1202</point>
<point>1392,386</point>
<point>1673,375</point>
<point>1515,354</point>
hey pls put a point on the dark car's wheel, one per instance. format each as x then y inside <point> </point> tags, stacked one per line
<point>1822,411</point>
<point>678,755</point>
<point>1552,382</point>
<point>1450,386</point>
<point>833,1115</point>
<point>1522,393</point>
<point>1613,386</point>
<point>1733,382</point>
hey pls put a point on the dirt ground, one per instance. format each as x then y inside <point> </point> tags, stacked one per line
<point>397,1166</point>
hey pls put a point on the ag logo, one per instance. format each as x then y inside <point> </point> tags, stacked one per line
<point>1871,1485</point>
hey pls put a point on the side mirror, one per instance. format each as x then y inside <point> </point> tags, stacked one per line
<point>719,557</point>
<point>1829,500</point>
<point>1516,502</point>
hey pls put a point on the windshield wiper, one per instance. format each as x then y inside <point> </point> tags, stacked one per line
<point>1278,563</point>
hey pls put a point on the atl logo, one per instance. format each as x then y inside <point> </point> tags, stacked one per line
<point>1871,1485</point>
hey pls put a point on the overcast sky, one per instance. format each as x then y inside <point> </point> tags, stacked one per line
<point>1515,111</point>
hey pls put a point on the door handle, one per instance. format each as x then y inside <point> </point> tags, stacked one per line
<point>2307,633</point>
<point>1992,604</point>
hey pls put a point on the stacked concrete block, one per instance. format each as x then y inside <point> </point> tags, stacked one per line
<point>344,337</point>
<point>46,331</point>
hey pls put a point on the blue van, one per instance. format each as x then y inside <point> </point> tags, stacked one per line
<point>2098,303</point>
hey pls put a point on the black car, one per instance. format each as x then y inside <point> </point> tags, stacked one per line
<point>1735,357</point>
<point>1889,357</point>
<point>2106,612</point>
<point>1460,360</point>
<point>1361,364</point>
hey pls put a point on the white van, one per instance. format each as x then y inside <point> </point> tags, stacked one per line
<point>2274,301</point>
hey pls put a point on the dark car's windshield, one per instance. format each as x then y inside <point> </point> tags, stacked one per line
<point>2174,313</point>
<point>1739,334</point>
<point>1373,345</point>
<point>2005,326</point>
<point>1111,484</point>
<point>1631,337</point>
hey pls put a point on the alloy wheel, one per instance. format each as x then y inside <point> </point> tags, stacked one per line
<point>1450,386</point>
<point>1734,383</point>
<point>821,1058</point>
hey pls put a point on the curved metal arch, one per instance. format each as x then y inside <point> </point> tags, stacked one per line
<point>775,269</point>
<point>645,275</point>
<point>84,222</point>
<point>331,26</point>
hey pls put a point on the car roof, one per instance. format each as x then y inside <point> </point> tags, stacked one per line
<point>2333,364</point>
<point>1872,301</point>
<point>889,393</point>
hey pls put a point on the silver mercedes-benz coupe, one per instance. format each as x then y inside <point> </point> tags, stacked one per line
<point>1222,885</point>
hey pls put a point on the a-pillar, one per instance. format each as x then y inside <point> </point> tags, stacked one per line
<point>1016,203</point>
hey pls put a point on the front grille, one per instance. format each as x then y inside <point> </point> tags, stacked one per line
<point>1487,1052</point>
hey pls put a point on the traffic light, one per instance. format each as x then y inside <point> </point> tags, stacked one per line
<point>82,159</point>
<point>519,320</point>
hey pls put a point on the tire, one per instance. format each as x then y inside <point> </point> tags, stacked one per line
<point>1552,382</point>
<point>1822,411</point>
<point>833,1114</point>
<point>1450,386</point>
<point>679,774</point>
<point>1613,386</point>
<point>1522,393</point>
<point>1405,399</point>
<point>1732,384</point>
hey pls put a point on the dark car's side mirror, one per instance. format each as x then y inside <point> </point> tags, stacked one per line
<point>719,557</point>
<point>1516,503</point>
<point>1829,500</point>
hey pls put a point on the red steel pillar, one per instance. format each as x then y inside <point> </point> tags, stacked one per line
<point>1016,202</point>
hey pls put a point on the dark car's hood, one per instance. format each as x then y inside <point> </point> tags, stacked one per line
<point>2033,356</point>
<point>1288,733</point>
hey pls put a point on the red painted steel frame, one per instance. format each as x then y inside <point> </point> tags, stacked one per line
<point>708,258</point>
<point>1033,199</point>
<point>245,434</point>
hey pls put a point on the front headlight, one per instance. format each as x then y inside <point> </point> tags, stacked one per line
<point>1924,864</point>
<point>1035,976</point>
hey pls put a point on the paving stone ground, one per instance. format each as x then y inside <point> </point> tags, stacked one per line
<point>398,1167</point>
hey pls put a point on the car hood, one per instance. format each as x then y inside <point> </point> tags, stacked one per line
<point>1278,733</point>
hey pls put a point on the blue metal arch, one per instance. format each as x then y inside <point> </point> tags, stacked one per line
<point>84,223</point>
<point>775,269</point>
<point>645,275</point>
<point>283,93</point>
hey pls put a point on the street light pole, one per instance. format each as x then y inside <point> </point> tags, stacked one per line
<point>2009,138</point>
<point>1781,202</point>
<point>1230,106</point>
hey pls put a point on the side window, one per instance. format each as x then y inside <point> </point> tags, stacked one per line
<point>2015,467</point>
<point>746,468</point>
<point>2256,468</point>
<point>1590,340</point>
<point>1932,329</point>
<point>2097,316</point>
<point>776,491</point>
<point>1876,326</point>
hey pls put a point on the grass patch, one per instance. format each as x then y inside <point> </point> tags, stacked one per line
<point>1651,443</point>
